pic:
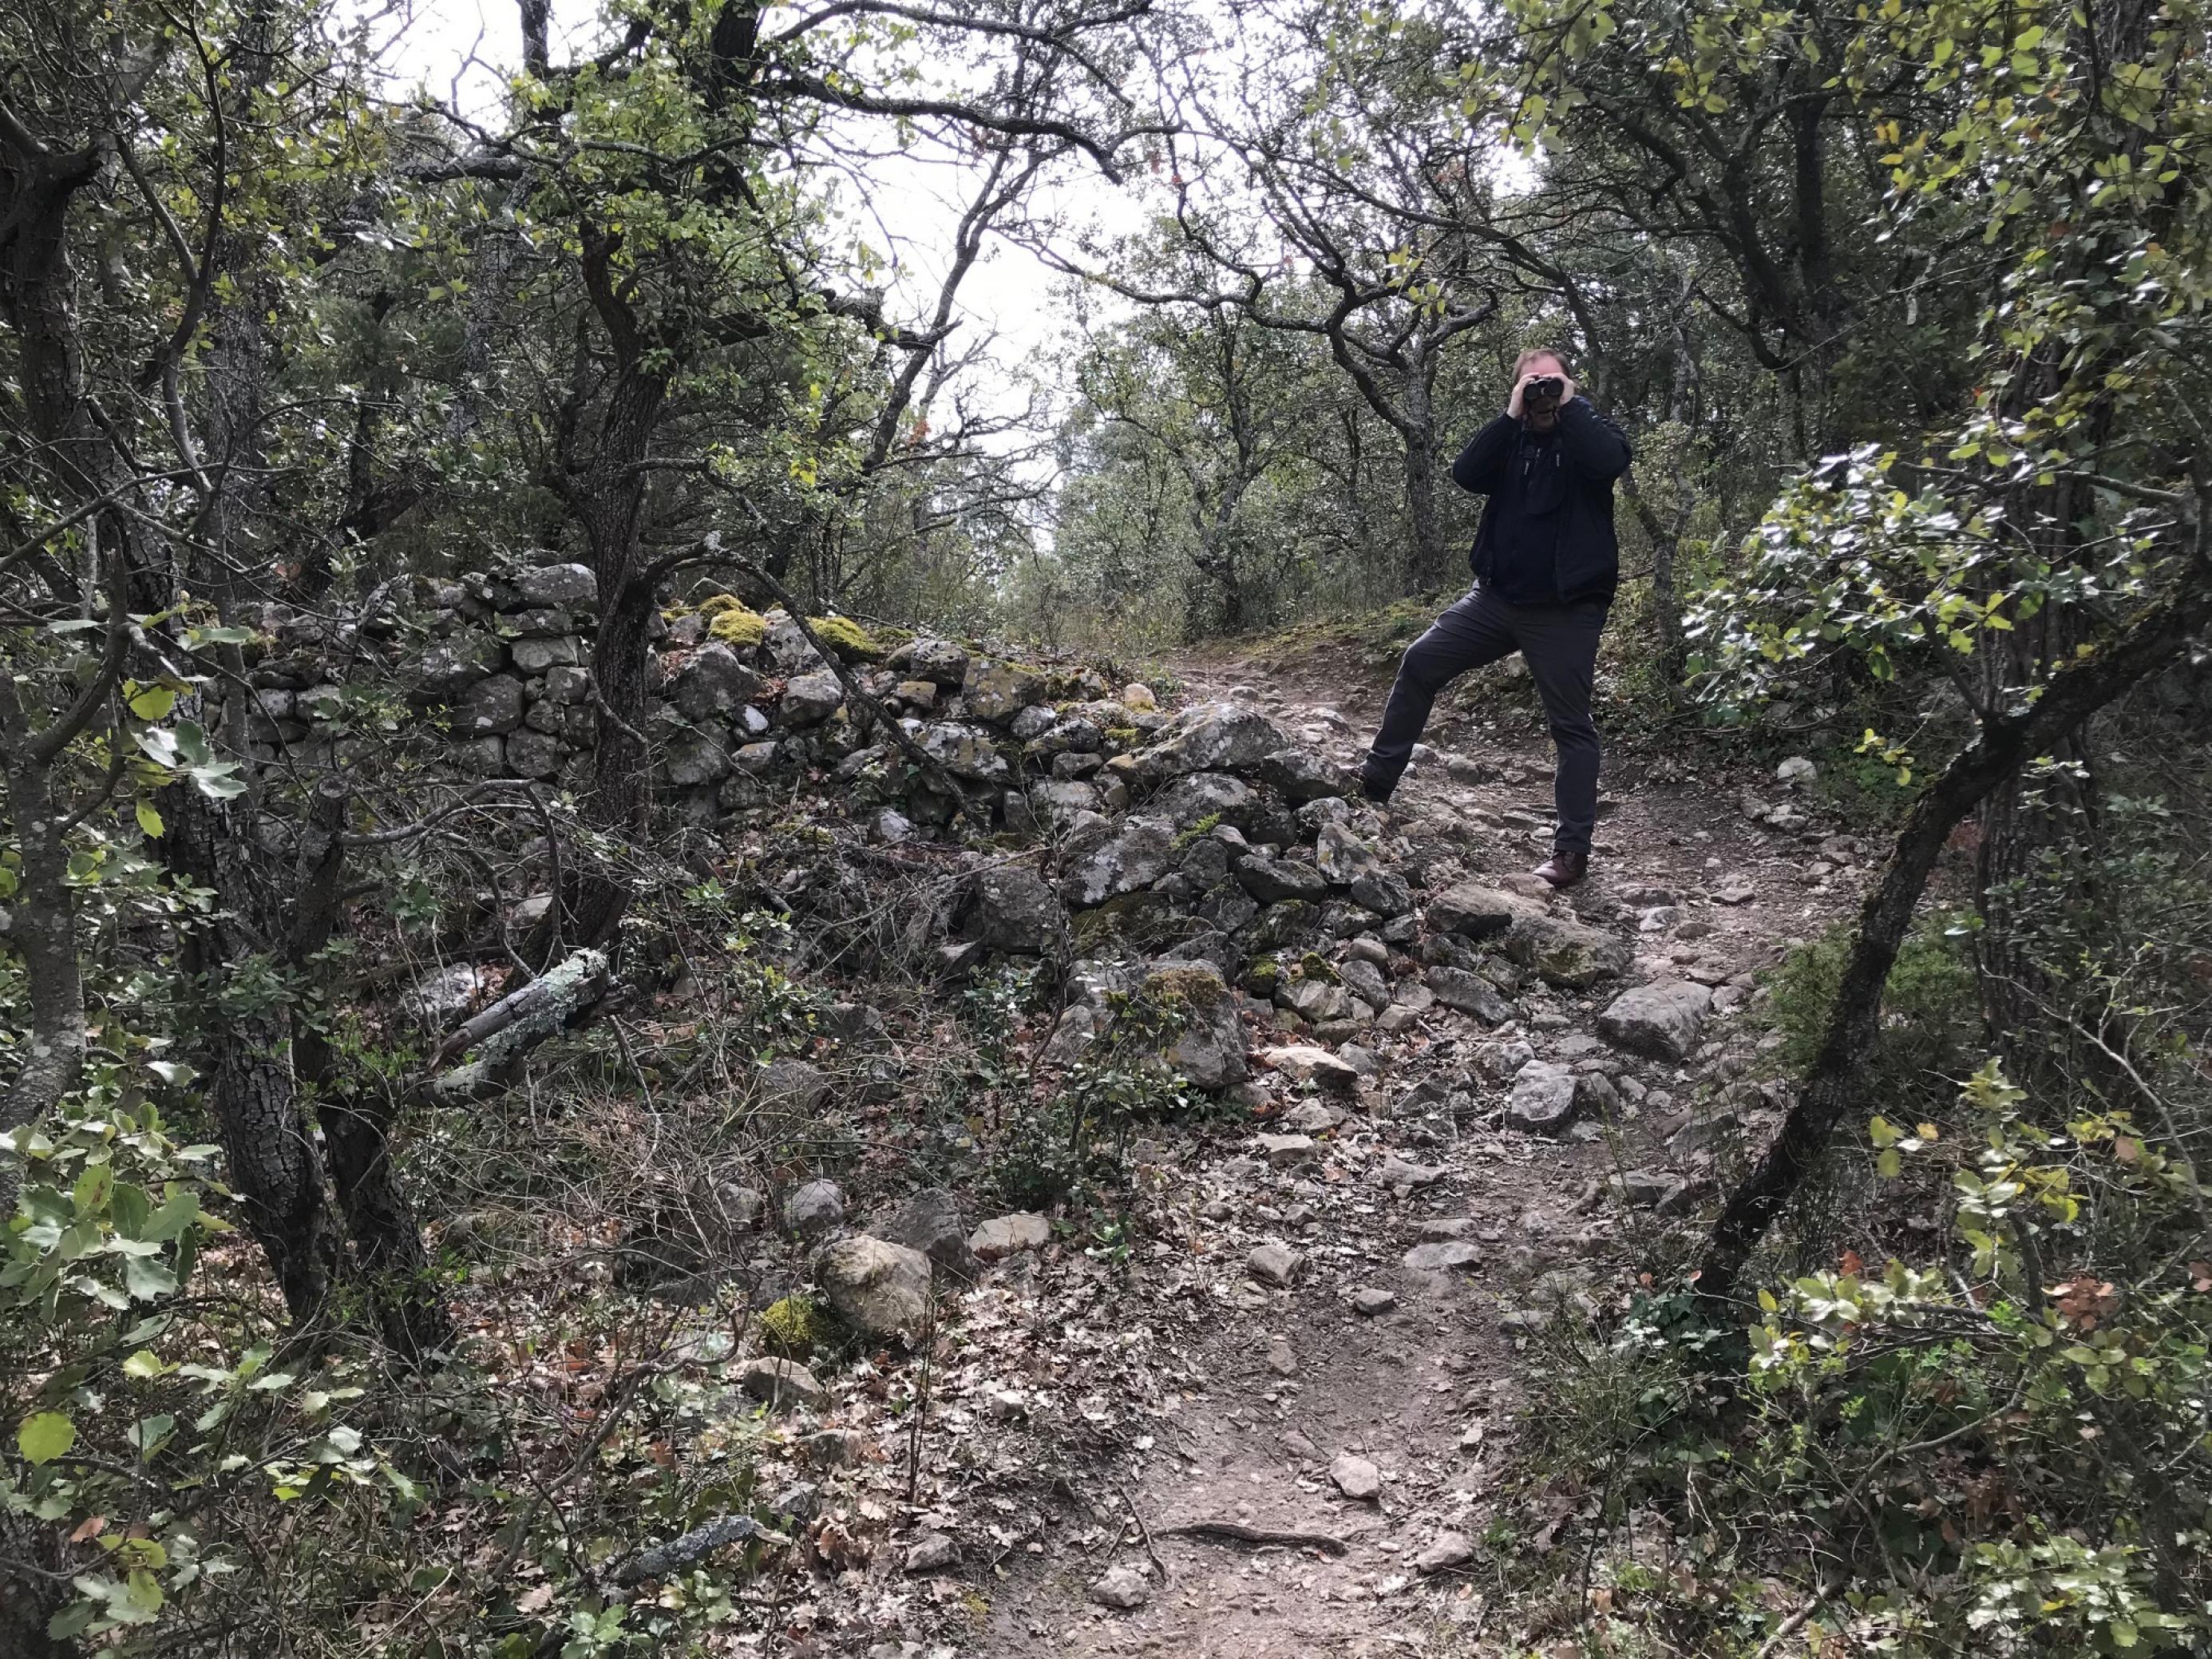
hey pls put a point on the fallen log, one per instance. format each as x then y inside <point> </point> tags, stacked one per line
<point>499,1039</point>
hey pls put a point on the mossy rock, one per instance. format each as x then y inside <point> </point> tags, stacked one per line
<point>1316,966</point>
<point>851,642</point>
<point>1291,921</point>
<point>1124,735</point>
<point>1201,988</point>
<point>733,624</point>
<point>1206,826</point>
<point>1145,920</point>
<point>791,1327</point>
<point>1261,976</point>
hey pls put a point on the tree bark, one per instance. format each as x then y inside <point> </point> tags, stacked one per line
<point>1834,1089</point>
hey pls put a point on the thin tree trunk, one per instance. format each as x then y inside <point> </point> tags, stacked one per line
<point>1834,1089</point>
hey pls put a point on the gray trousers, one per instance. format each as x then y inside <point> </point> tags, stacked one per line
<point>1559,644</point>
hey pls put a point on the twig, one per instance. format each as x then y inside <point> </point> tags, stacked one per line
<point>1146,1532</point>
<point>1796,1621</point>
<point>1236,1532</point>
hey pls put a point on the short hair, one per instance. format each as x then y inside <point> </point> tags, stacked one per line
<point>1521,363</point>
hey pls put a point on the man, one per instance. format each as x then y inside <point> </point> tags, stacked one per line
<point>1545,564</point>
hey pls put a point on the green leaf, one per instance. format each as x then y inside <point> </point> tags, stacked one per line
<point>150,820</point>
<point>176,1215</point>
<point>151,1433</point>
<point>143,1365</point>
<point>154,703</point>
<point>147,1279</point>
<point>45,1435</point>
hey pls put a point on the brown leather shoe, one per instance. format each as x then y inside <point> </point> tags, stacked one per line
<point>1564,869</point>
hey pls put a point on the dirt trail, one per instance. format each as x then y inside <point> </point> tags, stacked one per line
<point>1274,1385</point>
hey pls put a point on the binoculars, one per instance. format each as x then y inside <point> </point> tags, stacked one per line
<point>1544,389</point>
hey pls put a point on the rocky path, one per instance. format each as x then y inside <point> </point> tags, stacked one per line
<point>1334,1344</point>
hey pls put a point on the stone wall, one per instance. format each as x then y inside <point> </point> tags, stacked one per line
<point>495,671</point>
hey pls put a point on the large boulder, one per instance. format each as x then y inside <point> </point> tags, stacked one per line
<point>1544,1100</point>
<point>1301,776</point>
<point>1213,737</point>
<point>810,699</point>
<point>714,684</point>
<point>1661,1019</point>
<point>1566,952</point>
<point>788,647</point>
<point>930,1222</point>
<point>493,705</point>
<point>1272,880</point>
<point>1071,734</point>
<point>1136,857</point>
<point>1209,1049</point>
<point>1470,994</point>
<point>966,751</point>
<point>1014,908</point>
<point>1475,911</point>
<point>560,587</point>
<point>1341,856</point>
<point>697,758</point>
<point>1305,1063</point>
<point>1199,795</point>
<point>940,662</point>
<point>875,1285</point>
<point>447,667</point>
<point>999,690</point>
<point>1382,891</point>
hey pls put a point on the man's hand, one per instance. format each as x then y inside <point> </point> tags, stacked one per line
<point>1515,407</point>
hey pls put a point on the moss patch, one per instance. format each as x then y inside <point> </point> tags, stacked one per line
<point>733,624</point>
<point>846,637</point>
<point>1201,988</point>
<point>791,1327</point>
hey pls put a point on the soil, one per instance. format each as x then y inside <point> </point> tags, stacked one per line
<point>1196,1420</point>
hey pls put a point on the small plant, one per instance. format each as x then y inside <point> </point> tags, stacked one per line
<point>791,1326</point>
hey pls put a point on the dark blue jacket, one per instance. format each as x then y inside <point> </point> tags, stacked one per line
<point>1571,511</point>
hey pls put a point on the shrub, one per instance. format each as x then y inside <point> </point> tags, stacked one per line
<point>1930,1012</point>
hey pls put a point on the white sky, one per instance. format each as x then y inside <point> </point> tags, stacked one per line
<point>465,48</point>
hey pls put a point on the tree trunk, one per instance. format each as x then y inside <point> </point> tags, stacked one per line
<point>388,1256</point>
<point>44,933</point>
<point>1432,558</point>
<point>275,1166</point>
<point>1834,1089</point>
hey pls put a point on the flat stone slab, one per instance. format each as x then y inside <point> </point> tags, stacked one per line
<point>1305,1062</point>
<point>1661,1019</point>
<point>1451,1549</point>
<point>1443,1257</point>
<point>1356,1478</point>
<point>1397,1172</point>
<point>1010,1235</point>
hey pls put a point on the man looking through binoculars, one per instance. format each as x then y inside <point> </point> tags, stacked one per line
<point>1545,563</point>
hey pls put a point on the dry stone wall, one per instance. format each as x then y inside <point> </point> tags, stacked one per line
<point>494,670</point>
